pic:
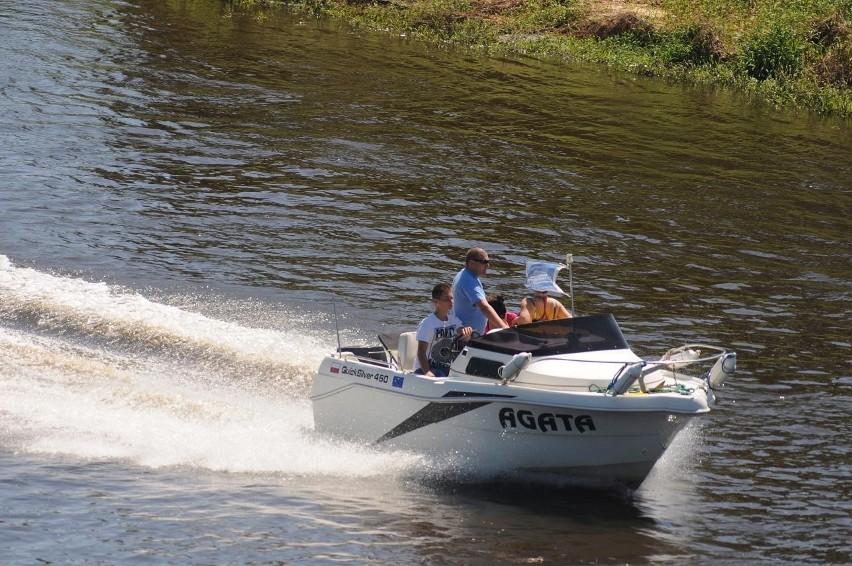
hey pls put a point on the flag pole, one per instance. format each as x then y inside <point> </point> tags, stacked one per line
<point>569,259</point>
<point>336,326</point>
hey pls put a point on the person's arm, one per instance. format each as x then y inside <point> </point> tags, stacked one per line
<point>524,316</point>
<point>561,311</point>
<point>423,359</point>
<point>466,332</point>
<point>491,315</point>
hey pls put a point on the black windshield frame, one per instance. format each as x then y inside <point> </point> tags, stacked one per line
<point>552,337</point>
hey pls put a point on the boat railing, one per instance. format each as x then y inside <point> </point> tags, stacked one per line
<point>675,360</point>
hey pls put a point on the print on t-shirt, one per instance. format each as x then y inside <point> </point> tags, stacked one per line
<point>444,348</point>
<point>443,343</point>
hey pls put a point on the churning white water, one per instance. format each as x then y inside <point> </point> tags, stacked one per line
<point>96,371</point>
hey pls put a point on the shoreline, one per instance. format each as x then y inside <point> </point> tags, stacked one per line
<point>790,57</point>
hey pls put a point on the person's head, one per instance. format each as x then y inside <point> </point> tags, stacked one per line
<point>477,261</point>
<point>442,298</point>
<point>497,303</point>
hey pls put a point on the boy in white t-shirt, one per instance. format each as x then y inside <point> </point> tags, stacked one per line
<point>438,335</point>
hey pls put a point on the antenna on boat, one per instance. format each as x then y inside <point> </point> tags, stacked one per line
<point>569,259</point>
<point>336,326</point>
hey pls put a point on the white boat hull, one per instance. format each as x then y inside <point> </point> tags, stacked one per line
<point>491,428</point>
<point>566,398</point>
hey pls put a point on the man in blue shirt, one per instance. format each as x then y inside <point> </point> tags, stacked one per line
<point>471,305</point>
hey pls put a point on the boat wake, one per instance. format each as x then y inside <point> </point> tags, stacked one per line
<point>100,315</point>
<point>101,372</point>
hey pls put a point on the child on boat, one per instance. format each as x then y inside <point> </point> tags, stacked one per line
<point>498,303</point>
<point>439,334</point>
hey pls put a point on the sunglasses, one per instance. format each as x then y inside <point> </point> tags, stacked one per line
<point>482,261</point>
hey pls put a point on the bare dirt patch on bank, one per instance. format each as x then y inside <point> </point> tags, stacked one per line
<point>603,9</point>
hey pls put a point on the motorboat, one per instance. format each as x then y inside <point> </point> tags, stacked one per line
<point>563,398</point>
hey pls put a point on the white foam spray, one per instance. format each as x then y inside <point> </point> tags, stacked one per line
<point>97,371</point>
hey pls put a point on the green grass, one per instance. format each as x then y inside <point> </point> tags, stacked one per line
<point>792,53</point>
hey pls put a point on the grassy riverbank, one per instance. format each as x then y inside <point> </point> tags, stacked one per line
<point>794,53</point>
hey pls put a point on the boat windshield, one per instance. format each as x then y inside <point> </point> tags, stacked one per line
<point>551,337</point>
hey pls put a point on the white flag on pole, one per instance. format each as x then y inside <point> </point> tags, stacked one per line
<point>541,276</point>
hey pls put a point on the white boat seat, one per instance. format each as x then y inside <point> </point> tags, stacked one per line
<point>406,351</point>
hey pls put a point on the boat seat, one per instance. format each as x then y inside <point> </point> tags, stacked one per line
<point>407,350</point>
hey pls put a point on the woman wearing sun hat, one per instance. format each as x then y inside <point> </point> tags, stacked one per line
<point>541,278</point>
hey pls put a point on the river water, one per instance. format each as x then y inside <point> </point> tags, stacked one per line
<point>188,194</point>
